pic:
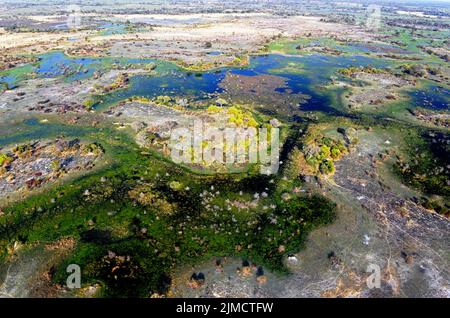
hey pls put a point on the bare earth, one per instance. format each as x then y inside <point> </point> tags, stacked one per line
<point>375,226</point>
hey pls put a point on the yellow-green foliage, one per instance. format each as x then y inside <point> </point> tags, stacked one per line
<point>236,115</point>
<point>322,152</point>
<point>89,103</point>
<point>93,148</point>
<point>327,166</point>
<point>237,60</point>
<point>325,152</point>
<point>55,165</point>
<point>197,67</point>
<point>119,82</point>
<point>221,102</point>
<point>5,159</point>
<point>163,100</point>
<point>23,151</point>
<point>175,185</point>
<point>349,71</point>
<point>146,196</point>
<point>150,66</point>
<point>241,117</point>
<point>297,165</point>
<point>141,99</point>
<point>240,60</point>
<point>335,153</point>
<point>214,109</point>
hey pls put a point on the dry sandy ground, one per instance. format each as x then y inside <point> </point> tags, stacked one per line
<point>228,33</point>
<point>378,90</point>
<point>376,226</point>
<point>43,163</point>
<point>54,95</point>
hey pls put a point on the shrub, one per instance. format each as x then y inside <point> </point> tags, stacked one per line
<point>5,159</point>
<point>326,167</point>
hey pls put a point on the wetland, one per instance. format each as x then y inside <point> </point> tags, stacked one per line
<point>87,177</point>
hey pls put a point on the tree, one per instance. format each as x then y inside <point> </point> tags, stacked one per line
<point>5,159</point>
<point>326,167</point>
<point>297,165</point>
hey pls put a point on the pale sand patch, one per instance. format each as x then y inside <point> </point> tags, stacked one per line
<point>182,17</point>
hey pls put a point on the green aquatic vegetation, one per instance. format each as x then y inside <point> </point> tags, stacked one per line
<point>203,67</point>
<point>287,46</point>
<point>140,216</point>
<point>117,217</point>
<point>287,229</point>
<point>4,86</point>
<point>14,76</point>
<point>415,41</point>
<point>240,60</point>
<point>427,165</point>
<point>290,68</point>
<point>405,39</point>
